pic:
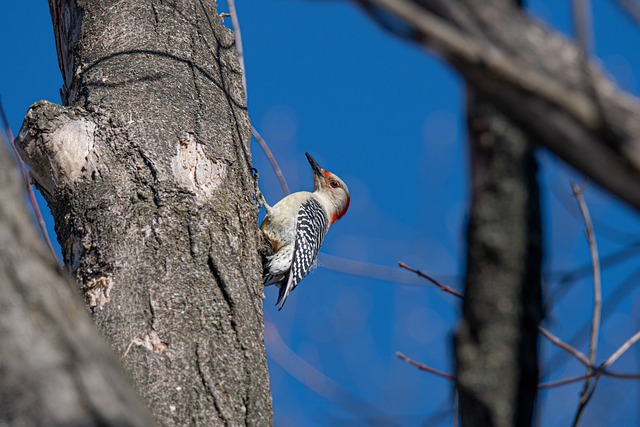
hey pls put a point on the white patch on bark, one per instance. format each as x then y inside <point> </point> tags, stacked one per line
<point>74,144</point>
<point>98,291</point>
<point>150,341</point>
<point>195,170</point>
<point>62,157</point>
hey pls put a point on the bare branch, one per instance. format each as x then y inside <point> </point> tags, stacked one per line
<point>536,76</point>
<point>565,381</point>
<point>445,39</point>
<point>263,144</point>
<point>621,376</point>
<point>595,260</point>
<point>566,347</point>
<point>588,389</point>
<point>424,367</point>
<point>620,351</point>
<point>368,270</point>
<point>551,337</point>
<point>585,398</point>
<point>432,280</point>
<point>605,373</point>
<point>272,159</point>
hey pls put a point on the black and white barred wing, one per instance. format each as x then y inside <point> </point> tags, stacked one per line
<point>311,227</point>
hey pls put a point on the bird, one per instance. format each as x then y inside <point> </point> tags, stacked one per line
<point>295,228</point>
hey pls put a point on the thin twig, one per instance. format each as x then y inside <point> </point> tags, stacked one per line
<point>432,280</point>
<point>604,373</point>
<point>554,339</point>
<point>368,270</point>
<point>566,347</point>
<point>27,184</point>
<point>585,398</point>
<point>565,381</point>
<point>608,307</point>
<point>426,368</point>
<point>620,376</point>
<point>597,285</point>
<point>263,144</point>
<point>272,159</point>
<point>620,351</point>
<point>592,371</point>
<point>588,389</point>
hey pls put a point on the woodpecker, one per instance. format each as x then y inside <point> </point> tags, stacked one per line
<point>296,225</point>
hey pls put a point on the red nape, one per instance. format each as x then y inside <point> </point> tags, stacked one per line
<point>337,216</point>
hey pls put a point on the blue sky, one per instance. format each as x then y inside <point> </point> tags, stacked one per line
<point>388,118</point>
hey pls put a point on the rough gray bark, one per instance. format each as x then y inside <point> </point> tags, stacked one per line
<point>55,368</point>
<point>496,343</point>
<point>147,171</point>
<point>539,78</point>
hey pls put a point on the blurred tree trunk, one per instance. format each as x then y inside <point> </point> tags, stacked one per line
<point>147,171</point>
<point>55,369</point>
<point>497,341</point>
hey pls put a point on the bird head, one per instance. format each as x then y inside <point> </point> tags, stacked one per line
<point>331,188</point>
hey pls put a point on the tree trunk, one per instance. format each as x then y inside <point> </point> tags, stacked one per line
<point>497,341</point>
<point>147,171</point>
<point>55,368</point>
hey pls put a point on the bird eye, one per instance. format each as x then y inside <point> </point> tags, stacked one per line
<point>334,184</point>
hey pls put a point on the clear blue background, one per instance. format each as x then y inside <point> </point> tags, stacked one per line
<point>388,118</point>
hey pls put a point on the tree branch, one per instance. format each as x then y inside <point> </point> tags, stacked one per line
<point>425,368</point>
<point>537,76</point>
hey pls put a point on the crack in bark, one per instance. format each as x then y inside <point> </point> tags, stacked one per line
<point>192,242</point>
<point>152,312</point>
<point>222,285</point>
<point>210,390</point>
<point>156,20</point>
<point>149,163</point>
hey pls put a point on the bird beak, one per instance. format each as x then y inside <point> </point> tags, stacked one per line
<point>317,170</point>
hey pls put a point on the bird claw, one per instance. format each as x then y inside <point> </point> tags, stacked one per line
<point>260,202</point>
<point>259,197</point>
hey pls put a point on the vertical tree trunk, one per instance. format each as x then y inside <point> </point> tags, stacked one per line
<point>497,342</point>
<point>147,171</point>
